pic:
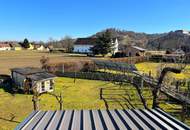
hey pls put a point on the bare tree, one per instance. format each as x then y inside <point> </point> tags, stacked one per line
<point>175,68</point>
<point>44,62</point>
<point>36,95</point>
<point>35,99</point>
<point>157,88</point>
<point>67,42</point>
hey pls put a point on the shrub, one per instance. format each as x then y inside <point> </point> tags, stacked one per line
<point>71,66</point>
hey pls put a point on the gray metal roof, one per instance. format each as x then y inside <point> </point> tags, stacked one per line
<point>139,48</point>
<point>41,76</point>
<point>101,120</point>
<point>36,74</point>
<point>27,70</point>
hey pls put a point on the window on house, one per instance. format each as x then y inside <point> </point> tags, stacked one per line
<point>43,86</point>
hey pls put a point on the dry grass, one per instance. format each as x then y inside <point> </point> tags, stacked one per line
<point>12,59</point>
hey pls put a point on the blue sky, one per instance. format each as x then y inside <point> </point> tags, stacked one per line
<point>42,19</point>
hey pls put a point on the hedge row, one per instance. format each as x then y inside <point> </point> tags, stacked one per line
<point>71,66</point>
<point>87,65</point>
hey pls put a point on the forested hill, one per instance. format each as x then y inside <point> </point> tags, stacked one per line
<point>173,40</point>
<point>163,41</point>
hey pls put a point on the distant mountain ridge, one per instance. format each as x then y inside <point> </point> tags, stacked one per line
<point>173,40</point>
<point>163,41</point>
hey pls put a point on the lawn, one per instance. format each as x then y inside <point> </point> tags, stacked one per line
<point>146,67</point>
<point>83,94</point>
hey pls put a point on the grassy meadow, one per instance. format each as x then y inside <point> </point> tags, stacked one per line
<point>12,59</point>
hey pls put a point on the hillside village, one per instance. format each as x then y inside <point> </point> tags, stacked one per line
<point>174,42</point>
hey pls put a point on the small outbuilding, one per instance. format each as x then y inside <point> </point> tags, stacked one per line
<point>134,51</point>
<point>29,78</point>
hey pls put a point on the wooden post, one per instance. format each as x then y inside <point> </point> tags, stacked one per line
<point>63,68</point>
<point>132,79</point>
<point>61,102</point>
<point>101,94</point>
<point>183,112</point>
<point>177,86</point>
<point>188,85</point>
<point>149,73</point>
<point>75,77</point>
<point>142,82</point>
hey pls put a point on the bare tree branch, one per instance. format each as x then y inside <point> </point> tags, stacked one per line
<point>159,85</point>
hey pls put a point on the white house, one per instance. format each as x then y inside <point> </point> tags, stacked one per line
<point>115,45</point>
<point>83,45</point>
<point>5,47</point>
<point>39,47</point>
<point>29,78</point>
<point>183,32</point>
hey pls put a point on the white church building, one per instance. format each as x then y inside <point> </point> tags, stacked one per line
<point>83,45</point>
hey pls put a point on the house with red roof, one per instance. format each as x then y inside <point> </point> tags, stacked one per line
<point>5,47</point>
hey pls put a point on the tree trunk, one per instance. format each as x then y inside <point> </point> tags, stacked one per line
<point>61,102</point>
<point>156,89</point>
<point>35,102</point>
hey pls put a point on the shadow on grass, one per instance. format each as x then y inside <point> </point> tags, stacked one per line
<point>6,84</point>
<point>11,119</point>
<point>115,95</point>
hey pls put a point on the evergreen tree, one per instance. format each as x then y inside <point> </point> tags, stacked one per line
<point>25,43</point>
<point>103,44</point>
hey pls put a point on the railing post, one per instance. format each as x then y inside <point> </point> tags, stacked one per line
<point>177,86</point>
<point>183,112</point>
<point>142,82</point>
<point>188,85</point>
<point>150,74</point>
